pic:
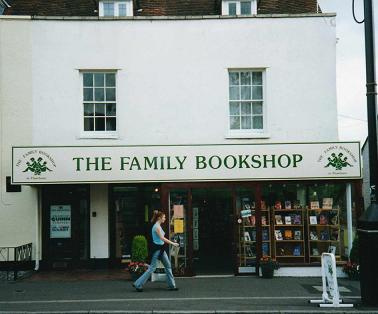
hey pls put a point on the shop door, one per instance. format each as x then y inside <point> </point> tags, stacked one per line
<point>65,226</point>
<point>213,251</point>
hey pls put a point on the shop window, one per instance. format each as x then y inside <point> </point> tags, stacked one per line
<point>132,208</point>
<point>99,103</point>
<point>246,101</point>
<point>12,187</point>
<point>178,205</point>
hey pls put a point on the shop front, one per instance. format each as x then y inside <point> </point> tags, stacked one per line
<point>228,205</point>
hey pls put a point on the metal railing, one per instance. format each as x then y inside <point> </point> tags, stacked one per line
<point>14,259</point>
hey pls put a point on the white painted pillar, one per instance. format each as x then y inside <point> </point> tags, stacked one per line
<point>349,216</point>
<point>37,227</point>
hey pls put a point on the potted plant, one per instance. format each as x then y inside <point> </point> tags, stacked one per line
<point>352,269</point>
<point>268,265</point>
<point>139,254</point>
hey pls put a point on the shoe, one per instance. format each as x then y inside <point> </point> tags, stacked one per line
<point>173,289</point>
<point>137,289</point>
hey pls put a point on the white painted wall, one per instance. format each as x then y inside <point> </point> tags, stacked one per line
<point>99,241</point>
<point>172,89</point>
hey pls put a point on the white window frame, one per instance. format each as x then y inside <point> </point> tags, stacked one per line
<point>248,133</point>
<point>225,6</point>
<point>98,134</point>
<point>128,3</point>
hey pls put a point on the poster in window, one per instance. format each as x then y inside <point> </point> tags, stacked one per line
<point>60,221</point>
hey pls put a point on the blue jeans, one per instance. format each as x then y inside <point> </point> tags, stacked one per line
<point>168,270</point>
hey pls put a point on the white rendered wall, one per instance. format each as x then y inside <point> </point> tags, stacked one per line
<point>172,89</point>
<point>17,210</point>
<point>99,242</point>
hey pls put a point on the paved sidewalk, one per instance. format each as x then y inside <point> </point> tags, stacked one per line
<point>196,295</point>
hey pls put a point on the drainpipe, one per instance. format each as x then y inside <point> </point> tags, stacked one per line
<point>37,244</point>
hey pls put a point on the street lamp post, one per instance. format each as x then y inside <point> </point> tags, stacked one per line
<point>368,222</point>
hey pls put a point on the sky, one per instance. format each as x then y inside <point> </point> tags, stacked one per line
<point>350,68</point>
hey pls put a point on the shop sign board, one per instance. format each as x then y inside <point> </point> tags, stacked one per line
<point>60,221</point>
<point>174,163</point>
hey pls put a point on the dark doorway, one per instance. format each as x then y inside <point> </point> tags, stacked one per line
<point>65,225</point>
<point>214,253</point>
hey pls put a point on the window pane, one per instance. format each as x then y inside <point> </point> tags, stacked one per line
<point>234,108</point>
<point>122,9</point>
<point>110,79</point>
<point>233,78</point>
<point>257,92</point>
<point>246,108</point>
<point>88,94</point>
<point>88,124</point>
<point>232,9</point>
<point>245,92</point>
<point>235,123</point>
<point>246,122</point>
<point>110,109</point>
<point>99,79</point>
<point>100,124</point>
<point>88,79</point>
<point>245,7</point>
<point>110,94</point>
<point>257,108</point>
<point>234,93</point>
<point>245,78</point>
<point>100,109</point>
<point>88,110</point>
<point>99,94</point>
<point>108,9</point>
<point>110,124</point>
<point>257,78</point>
<point>258,122</point>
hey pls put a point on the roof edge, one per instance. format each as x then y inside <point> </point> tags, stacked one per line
<point>159,18</point>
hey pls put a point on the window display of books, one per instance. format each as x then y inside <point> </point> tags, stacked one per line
<point>323,229</point>
<point>288,227</point>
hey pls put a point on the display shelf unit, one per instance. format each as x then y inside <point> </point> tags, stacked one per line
<point>247,243</point>
<point>323,232</point>
<point>266,249</point>
<point>288,233</point>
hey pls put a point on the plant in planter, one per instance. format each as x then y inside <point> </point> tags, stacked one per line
<point>268,265</point>
<point>139,254</point>
<point>352,268</point>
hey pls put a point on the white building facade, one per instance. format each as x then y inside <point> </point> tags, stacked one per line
<point>87,96</point>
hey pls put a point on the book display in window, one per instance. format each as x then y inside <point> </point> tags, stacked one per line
<point>247,234</point>
<point>265,231</point>
<point>323,229</point>
<point>177,231</point>
<point>288,225</point>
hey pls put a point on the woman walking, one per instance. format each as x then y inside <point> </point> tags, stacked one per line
<point>158,252</point>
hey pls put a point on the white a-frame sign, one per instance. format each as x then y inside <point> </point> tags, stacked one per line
<point>331,295</point>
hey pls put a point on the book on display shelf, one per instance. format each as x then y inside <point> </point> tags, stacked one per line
<point>265,234</point>
<point>324,235</point>
<point>287,205</point>
<point>297,234</point>
<point>315,252</point>
<point>253,235</point>
<point>335,235</point>
<point>297,220</point>
<point>263,205</point>
<point>263,220</point>
<point>323,220</point>
<point>265,249</point>
<point>288,234</point>
<point>247,237</point>
<point>314,205</point>
<point>313,220</point>
<point>297,204</point>
<point>313,236</point>
<point>297,250</point>
<point>287,220</point>
<point>327,203</point>
<point>252,220</point>
<point>278,235</point>
<point>277,205</point>
<point>278,219</point>
<point>333,218</point>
